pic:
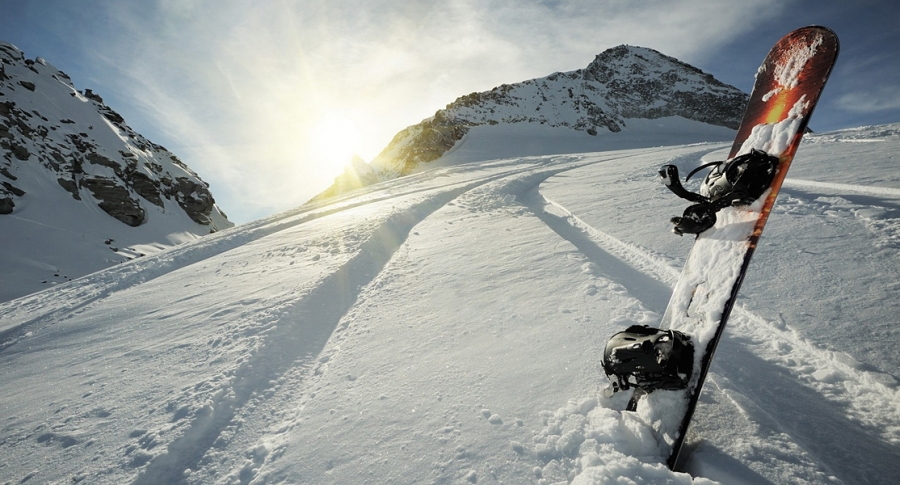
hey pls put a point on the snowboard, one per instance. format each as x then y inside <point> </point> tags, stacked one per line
<point>787,87</point>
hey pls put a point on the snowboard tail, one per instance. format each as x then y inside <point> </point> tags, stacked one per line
<point>787,88</point>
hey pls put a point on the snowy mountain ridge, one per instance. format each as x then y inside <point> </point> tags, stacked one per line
<point>621,84</point>
<point>64,154</point>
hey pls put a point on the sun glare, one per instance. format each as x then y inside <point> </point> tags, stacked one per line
<point>335,140</point>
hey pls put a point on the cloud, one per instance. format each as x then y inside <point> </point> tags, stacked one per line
<point>238,88</point>
<point>872,100</point>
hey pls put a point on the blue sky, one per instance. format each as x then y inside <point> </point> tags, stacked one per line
<point>268,100</point>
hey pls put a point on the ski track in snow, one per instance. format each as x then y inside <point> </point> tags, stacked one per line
<point>859,399</point>
<point>282,349</point>
<point>275,356</point>
<point>296,333</point>
<point>877,208</point>
<point>303,330</point>
<point>93,288</point>
<point>835,187</point>
<point>610,258</point>
<point>301,333</point>
<point>649,278</point>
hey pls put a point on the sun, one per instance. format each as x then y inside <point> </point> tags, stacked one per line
<point>335,139</point>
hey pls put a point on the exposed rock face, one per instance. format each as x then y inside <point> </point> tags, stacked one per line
<point>88,149</point>
<point>622,83</point>
<point>115,200</point>
<point>430,139</point>
<point>643,83</point>
<point>357,174</point>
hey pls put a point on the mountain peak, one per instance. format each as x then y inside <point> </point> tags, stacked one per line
<point>622,83</point>
<point>10,53</point>
<point>46,124</point>
<point>74,175</point>
<point>635,61</point>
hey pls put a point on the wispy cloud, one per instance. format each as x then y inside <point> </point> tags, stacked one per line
<point>873,100</point>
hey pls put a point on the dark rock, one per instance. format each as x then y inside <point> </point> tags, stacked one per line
<point>111,115</point>
<point>146,187</point>
<point>6,108</point>
<point>115,200</point>
<point>17,150</point>
<point>195,199</point>
<point>433,138</point>
<point>139,170</point>
<point>13,189</point>
<point>70,186</point>
<point>80,144</point>
<point>98,159</point>
<point>89,94</point>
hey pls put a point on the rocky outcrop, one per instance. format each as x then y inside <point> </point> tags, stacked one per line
<point>356,175</point>
<point>425,142</point>
<point>643,83</point>
<point>115,200</point>
<point>46,124</point>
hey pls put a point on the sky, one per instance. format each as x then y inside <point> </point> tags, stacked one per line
<point>268,101</point>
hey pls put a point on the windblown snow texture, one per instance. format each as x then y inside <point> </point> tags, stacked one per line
<point>444,328</point>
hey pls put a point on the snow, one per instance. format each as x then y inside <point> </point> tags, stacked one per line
<point>774,138</point>
<point>446,327</point>
<point>787,73</point>
<point>532,139</point>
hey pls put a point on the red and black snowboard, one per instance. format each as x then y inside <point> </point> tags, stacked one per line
<point>787,87</point>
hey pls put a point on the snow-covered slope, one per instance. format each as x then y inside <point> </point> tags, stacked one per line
<point>79,189</point>
<point>445,327</point>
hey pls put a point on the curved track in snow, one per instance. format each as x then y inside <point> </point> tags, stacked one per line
<point>90,289</point>
<point>295,348</point>
<point>302,330</point>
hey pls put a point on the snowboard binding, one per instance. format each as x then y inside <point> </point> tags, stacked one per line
<point>649,359</point>
<point>736,182</point>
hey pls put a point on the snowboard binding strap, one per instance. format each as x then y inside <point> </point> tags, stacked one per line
<point>648,359</point>
<point>736,182</point>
